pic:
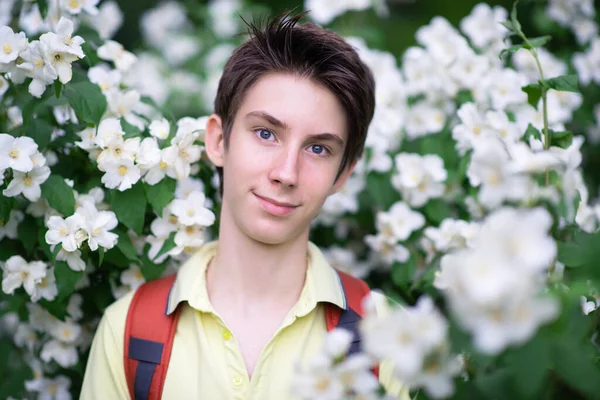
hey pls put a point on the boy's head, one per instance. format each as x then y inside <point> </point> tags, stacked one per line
<point>281,87</point>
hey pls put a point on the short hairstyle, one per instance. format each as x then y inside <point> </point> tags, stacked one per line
<point>306,50</point>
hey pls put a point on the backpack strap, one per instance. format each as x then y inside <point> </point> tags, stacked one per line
<point>354,290</point>
<point>149,335</point>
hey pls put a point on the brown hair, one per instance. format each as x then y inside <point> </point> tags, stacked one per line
<point>305,50</point>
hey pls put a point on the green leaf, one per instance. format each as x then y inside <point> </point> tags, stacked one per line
<point>534,93</point>
<point>437,210</point>
<point>100,256</point>
<point>564,83</point>
<point>131,131</point>
<point>382,194</point>
<point>91,57</point>
<point>167,246</point>
<point>57,88</point>
<point>57,248</point>
<point>43,7</point>
<point>537,42</point>
<point>40,131</point>
<point>403,273</point>
<point>124,244</point>
<point>66,279</point>
<point>27,232</point>
<point>574,364</point>
<point>161,194</point>
<point>531,131</point>
<point>7,249</point>
<point>562,139</point>
<point>149,269</point>
<point>59,195</point>
<point>508,25</point>
<point>495,385</point>
<point>32,105</point>
<point>571,254</point>
<point>6,206</point>
<point>87,100</point>
<point>530,366</point>
<point>513,17</point>
<point>130,207</point>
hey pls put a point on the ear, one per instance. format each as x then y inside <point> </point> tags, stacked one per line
<point>214,140</point>
<point>341,181</point>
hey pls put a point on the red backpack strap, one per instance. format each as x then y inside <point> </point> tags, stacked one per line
<point>149,334</point>
<point>355,290</point>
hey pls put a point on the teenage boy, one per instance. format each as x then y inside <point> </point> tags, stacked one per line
<point>291,117</point>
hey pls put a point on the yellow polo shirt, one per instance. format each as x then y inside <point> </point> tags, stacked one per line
<point>206,362</point>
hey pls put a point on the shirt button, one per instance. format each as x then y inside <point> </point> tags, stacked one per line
<point>226,334</point>
<point>237,381</point>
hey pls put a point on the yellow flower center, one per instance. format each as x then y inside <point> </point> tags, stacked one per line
<point>139,275</point>
<point>476,130</point>
<point>163,165</point>
<point>27,181</point>
<point>7,49</point>
<point>13,153</point>
<point>68,40</point>
<point>53,388</point>
<point>44,282</point>
<point>63,232</point>
<point>74,3</point>
<point>189,230</point>
<point>191,212</point>
<point>173,219</point>
<point>322,384</point>
<point>122,170</point>
<point>104,87</point>
<point>67,333</point>
<point>24,275</point>
<point>38,63</point>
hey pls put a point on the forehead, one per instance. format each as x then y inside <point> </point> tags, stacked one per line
<point>301,103</point>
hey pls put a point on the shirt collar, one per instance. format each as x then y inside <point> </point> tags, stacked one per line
<point>322,283</point>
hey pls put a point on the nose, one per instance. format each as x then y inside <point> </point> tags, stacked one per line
<point>285,170</point>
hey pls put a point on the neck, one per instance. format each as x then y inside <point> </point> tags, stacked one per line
<point>250,273</point>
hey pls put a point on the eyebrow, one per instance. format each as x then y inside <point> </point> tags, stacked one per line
<point>282,125</point>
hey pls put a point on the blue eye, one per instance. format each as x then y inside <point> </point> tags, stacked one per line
<point>318,149</point>
<point>264,133</point>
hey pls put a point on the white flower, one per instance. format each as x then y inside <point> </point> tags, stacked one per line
<point>3,86</point>
<point>424,119</point>
<point>37,66</point>
<point>400,221</point>
<point>76,6</point>
<point>64,40</point>
<point>472,127</point>
<point>337,343</point>
<point>318,381</point>
<point>11,44</point>
<point>9,228</point>
<point>25,336</point>
<point>64,354</point>
<point>387,249</point>
<point>27,183</point>
<point>160,129</point>
<point>17,272</point>
<point>114,51</point>
<point>59,57</point>
<point>523,159</point>
<point>108,129</point>
<point>194,126</point>
<point>50,389</point>
<point>191,211</point>
<point>72,258</point>
<point>419,177</point>
<point>46,289</point>
<point>323,11</point>
<point>181,154</point>
<point>483,26</point>
<point>124,104</point>
<point>108,20</point>
<point>345,260</point>
<point>121,175</point>
<point>118,150</point>
<point>16,153</point>
<point>74,306</point>
<point>96,227</point>
<point>149,154</point>
<point>88,139</point>
<point>108,79</point>
<point>188,237</point>
<point>452,234</point>
<point>63,231</point>
<point>443,41</point>
<point>501,88</point>
<point>132,277</point>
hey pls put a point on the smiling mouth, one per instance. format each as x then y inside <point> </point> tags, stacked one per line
<point>275,208</point>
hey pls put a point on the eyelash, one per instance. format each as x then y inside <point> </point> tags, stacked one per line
<point>258,130</point>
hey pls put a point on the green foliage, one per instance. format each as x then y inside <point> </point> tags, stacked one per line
<point>87,100</point>
<point>130,207</point>
<point>59,195</point>
<point>161,194</point>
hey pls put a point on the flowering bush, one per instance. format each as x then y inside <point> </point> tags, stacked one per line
<point>470,206</point>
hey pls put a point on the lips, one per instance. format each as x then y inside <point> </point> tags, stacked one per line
<point>275,207</point>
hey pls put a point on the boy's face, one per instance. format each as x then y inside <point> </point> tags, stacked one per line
<point>274,156</point>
